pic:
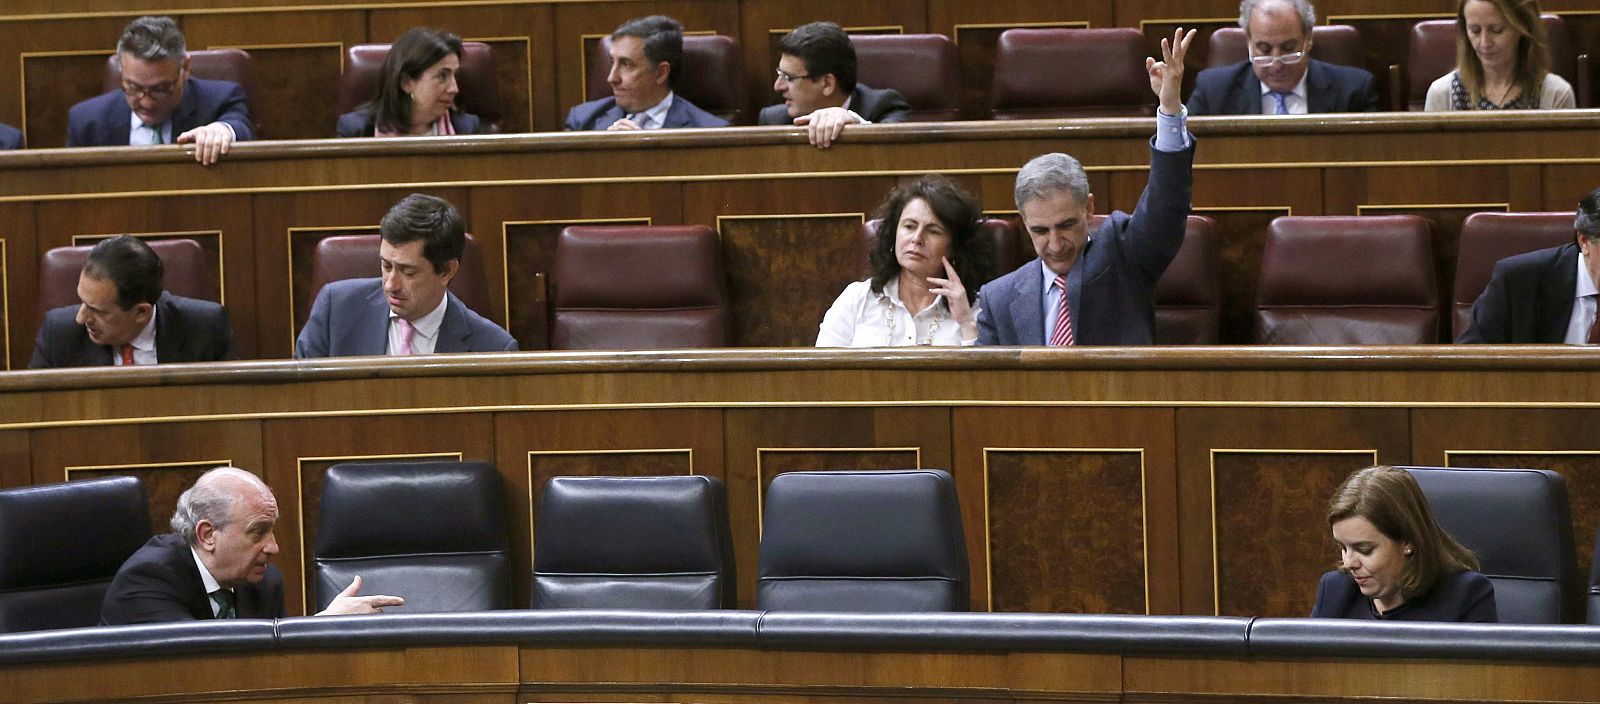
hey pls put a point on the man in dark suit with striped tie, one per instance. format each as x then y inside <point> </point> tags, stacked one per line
<point>646,61</point>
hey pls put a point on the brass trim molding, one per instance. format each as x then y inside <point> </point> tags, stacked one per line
<point>1450,454</point>
<point>1144,512</point>
<point>761,483</point>
<point>5,300</point>
<point>532,502</point>
<point>22,73</point>
<point>1216,570</point>
<point>1363,208</point>
<point>66,472</point>
<point>1064,24</point>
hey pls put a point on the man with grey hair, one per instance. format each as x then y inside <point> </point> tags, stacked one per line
<point>1280,77</point>
<point>1547,295</point>
<point>214,563</point>
<point>1098,290</point>
<point>159,102</point>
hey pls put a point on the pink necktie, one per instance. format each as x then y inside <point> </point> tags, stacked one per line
<point>1062,336</point>
<point>406,331</point>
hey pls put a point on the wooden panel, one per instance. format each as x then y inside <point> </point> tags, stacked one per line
<point>296,452</point>
<point>19,284</point>
<point>16,459</point>
<point>51,84</point>
<point>1097,488</point>
<point>532,447</point>
<point>1253,487</point>
<point>784,271</point>
<point>798,438</point>
<point>296,90</point>
<point>166,457</point>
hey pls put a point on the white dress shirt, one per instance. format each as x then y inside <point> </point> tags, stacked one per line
<point>425,330</point>
<point>144,345</point>
<point>1295,99</point>
<point>209,581</point>
<point>861,318</point>
<point>1583,305</point>
<point>655,117</point>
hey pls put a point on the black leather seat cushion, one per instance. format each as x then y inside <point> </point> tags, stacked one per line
<point>60,545</point>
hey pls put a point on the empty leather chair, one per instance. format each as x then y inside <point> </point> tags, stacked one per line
<point>480,92</point>
<point>433,533</point>
<point>1486,238</point>
<point>211,64</point>
<point>711,76</point>
<point>1332,43</point>
<point>188,272</point>
<point>1334,280</point>
<point>862,541</point>
<point>923,67</point>
<point>1107,67</point>
<point>639,287</point>
<point>1189,294</point>
<point>633,543</point>
<point>356,257</point>
<point>1517,522</point>
<point>60,545</point>
<point>1008,249</point>
<point>1432,53</point>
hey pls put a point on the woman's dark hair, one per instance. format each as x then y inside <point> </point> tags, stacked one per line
<point>411,54</point>
<point>956,209</point>
<point>1392,501</point>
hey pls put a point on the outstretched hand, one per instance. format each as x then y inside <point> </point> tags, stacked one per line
<point>348,602</point>
<point>1166,75</point>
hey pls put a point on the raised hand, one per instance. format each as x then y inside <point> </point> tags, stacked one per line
<point>1166,75</point>
<point>955,297</point>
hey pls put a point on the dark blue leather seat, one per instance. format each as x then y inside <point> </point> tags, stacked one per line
<point>60,545</point>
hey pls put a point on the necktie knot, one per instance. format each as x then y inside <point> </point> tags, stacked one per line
<point>1281,96</point>
<point>224,601</point>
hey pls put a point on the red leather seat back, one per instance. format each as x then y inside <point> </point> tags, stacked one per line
<point>639,287</point>
<point>1487,238</point>
<point>923,67</point>
<point>211,64</point>
<point>1106,67</point>
<point>1337,280</point>
<point>188,272</point>
<point>480,91</point>
<point>1333,43</point>
<point>711,77</point>
<point>356,257</point>
<point>1432,54</point>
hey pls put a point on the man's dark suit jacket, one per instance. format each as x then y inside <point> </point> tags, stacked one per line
<point>187,330</point>
<point>1235,90</point>
<point>161,582</point>
<point>102,121</point>
<point>1111,288</point>
<point>10,137</point>
<point>872,104</point>
<point>351,317</point>
<point>602,113</point>
<point>1528,299</point>
<point>360,123</point>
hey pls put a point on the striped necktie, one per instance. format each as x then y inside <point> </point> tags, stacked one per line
<point>1062,336</point>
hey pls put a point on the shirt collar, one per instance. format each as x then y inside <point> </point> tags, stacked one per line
<point>1586,285</point>
<point>658,113</point>
<point>146,339</point>
<point>891,290</point>
<point>135,124</point>
<point>1299,88</point>
<point>209,581</point>
<point>428,325</point>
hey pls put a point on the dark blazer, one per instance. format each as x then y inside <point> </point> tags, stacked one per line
<point>602,113</point>
<point>10,137</point>
<point>872,104</point>
<point>161,582</point>
<point>1111,288</point>
<point>102,121</point>
<point>187,330</point>
<point>361,123</point>
<point>1460,597</point>
<point>1528,299</point>
<point>1235,90</point>
<point>351,317</point>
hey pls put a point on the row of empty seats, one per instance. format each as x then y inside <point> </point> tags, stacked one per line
<point>869,541</point>
<point>1324,280</point>
<point>925,68</point>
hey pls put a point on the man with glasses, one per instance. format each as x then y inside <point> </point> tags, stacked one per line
<point>1280,77</point>
<point>159,102</point>
<point>817,78</point>
<point>646,60</point>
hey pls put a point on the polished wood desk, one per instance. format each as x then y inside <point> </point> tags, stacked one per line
<point>788,215</point>
<point>1136,480</point>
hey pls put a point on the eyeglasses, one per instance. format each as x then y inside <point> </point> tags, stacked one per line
<point>787,77</point>
<point>155,92</point>
<point>1288,59</point>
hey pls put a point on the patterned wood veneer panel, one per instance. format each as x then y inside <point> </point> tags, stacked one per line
<point>51,85</point>
<point>1066,531</point>
<point>1581,470</point>
<point>1244,236</point>
<point>296,88</point>
<point>511,72</point>
<point>783,273</point>
<point>162,485</point>
<point>1272,542</point>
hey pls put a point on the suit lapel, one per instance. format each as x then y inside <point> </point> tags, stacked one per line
<point>609,117</point>
<point>168,339</point>
<point>1249,99</point>
<point>183,119</point>
<point>1319,88</point>
<point>677,115</point>
<point>1027,306</point>
<point>373,337</point>
<point>182,557</point>
<point>453,330</point>
<point>120,121</point>
<point>1560,286</point>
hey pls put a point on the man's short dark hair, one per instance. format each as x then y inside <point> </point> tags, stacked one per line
<point>152,39</point>
<point>824,48</point>
<point>663,41</point>
<point>432,220</point>
<point>130,265</point>
<point>1588,221</point>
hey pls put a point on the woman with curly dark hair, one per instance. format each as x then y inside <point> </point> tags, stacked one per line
<point>416,90</point>
<point>926,243</point>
